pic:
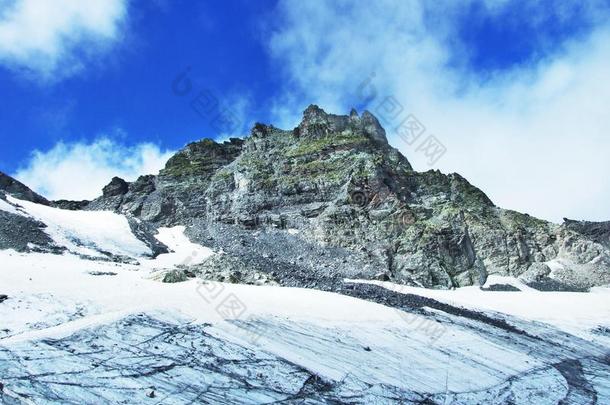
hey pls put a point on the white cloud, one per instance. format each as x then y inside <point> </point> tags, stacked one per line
<point>53,39</point>
<point>79,170</point>
<point>534,137</point>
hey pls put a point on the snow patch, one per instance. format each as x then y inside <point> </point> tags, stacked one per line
<point>573,312</point>
<point>507,280</point>
<point>87,232</point>
<point>351,342</point>
<point>183,251</point>
<point>4,206</point>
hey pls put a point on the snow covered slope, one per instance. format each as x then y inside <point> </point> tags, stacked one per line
<point>97,234</point>
<point>93,325</point>
<point>82,331</point>
<point>577,313</point>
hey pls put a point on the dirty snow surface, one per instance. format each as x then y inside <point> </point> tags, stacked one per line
<point>87,233</point>
<point>80,331</point>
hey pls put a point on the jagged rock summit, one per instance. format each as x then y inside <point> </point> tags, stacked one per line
<point>316,122</point>
<point>331,199</point>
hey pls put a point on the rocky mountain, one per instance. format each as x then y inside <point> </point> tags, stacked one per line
<point>337,181</point>
<point>335,195</point>
<point>117,300</point>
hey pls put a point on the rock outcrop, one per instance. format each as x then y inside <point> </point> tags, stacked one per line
<point>19,190</point>
<point>18,232</point>
<point>336,183</point>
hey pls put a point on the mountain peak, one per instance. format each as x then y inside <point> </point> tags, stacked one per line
<point>316,122</point>
<point>313,111</point>
<point>336,181</point>
<point>117,186</point>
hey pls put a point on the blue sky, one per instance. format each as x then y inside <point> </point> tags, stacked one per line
<point>513,89</point>
<point>127,92</point>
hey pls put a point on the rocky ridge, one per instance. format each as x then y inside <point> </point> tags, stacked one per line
<point>332,198</point>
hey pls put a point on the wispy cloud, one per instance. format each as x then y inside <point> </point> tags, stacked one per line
<point>533,136</point>
<point>50,40</point>
<point>79,170</point>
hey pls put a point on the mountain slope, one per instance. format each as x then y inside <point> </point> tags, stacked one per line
<point>27,226</point>
<point>85,318</point>
<point>337,182</point>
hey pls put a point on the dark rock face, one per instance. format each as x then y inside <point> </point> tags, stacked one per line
<point>70,205</point>
<point>24,234</point>
<point>116,187</point>
<point>144,232</point>
<point>19,190</point>
<point>337,182</point>
<point>176,194</point>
